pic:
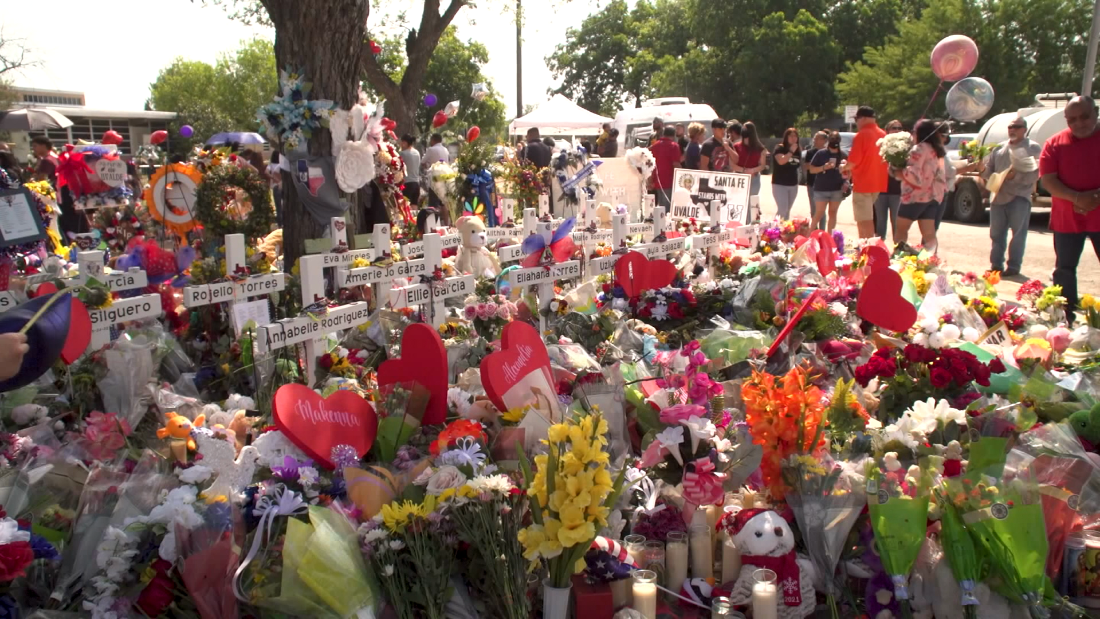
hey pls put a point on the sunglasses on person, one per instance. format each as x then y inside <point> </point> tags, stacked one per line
<point>1017,126</point>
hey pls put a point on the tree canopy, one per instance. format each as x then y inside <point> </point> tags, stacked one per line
<point>780,61</point>
<point>454,68</point>
<point>219,97</point>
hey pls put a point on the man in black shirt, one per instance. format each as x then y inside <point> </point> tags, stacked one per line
<point>536,153</point>
<point>716,153</point>
<point>820,138</point>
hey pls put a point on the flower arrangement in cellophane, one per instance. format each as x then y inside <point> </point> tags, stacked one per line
<point>571,492</point>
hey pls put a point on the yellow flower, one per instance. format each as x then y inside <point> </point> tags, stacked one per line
<point>360,262</point>
<point>397,516</point>
<point>558,433</point>
<point>1088,302</point>
<point>514,415</point>
<point>541,540</point>
<point>569,536</point>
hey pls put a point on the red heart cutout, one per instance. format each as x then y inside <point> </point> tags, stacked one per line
<point>317,424</point>
<point>80,333</point>
<point>826,251</point>
<point>880,302</point>
<point>636,273</point>
<point>424,361</point>
<point>522,352</point>
<point>877,257</point>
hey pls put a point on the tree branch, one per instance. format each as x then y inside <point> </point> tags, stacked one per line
<point>376,75</point>
<point>8,57</point>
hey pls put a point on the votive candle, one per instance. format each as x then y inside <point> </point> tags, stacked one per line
<point>676,560</point>
<point>765,596</point>
<point>635,547</point>
<point>645,593</point>
<point>702,552</point>
<point>731,560</point>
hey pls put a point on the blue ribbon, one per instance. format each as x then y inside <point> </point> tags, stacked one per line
<point>482,184</point>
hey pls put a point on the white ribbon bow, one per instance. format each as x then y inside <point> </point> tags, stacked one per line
<point>279,501</point>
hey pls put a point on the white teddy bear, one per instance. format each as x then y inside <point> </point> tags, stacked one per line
<point>473,256</point>
<point>766,542</point>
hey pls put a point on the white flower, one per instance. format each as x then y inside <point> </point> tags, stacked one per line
<point>28,414</point>
<point>921,339</point>
<point>937,340</point>
<point>9,532</point>
<point>491,483</point>
<point>308,476</point>
<point>195,475</point>
<point>396,544</point>
<point>670,438</point>
<point>951,332</point>
<point>387,570</point>
<point>445,478</point>
<point>375,535</point>
<point>927,415</point>
<point>458,401</point>
<point>971,334</point>
<point>274,447</point>
<point>701,429</point>
<point>723,444</point>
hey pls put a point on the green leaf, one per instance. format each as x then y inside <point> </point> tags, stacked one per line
<point>393,432</point>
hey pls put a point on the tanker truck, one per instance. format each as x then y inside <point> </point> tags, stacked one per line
<point>1044,119</point>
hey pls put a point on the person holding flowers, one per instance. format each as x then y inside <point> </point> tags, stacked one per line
<point>923,185</point>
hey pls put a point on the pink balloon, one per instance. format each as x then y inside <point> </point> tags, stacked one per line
<point>954,57</point>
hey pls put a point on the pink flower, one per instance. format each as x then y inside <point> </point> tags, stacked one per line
<point>490,309</point>
<point>481,311</point>
<point>469,312</point>
<point>504,310</point>
<point>680,412</point>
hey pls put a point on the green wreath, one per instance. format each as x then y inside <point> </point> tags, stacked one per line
<point>210,202</point>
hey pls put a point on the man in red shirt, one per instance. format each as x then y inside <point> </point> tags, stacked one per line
<point>1070,171</point>
<point>667,153</point>
<point>869,171</point>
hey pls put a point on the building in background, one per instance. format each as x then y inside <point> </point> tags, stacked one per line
<point>88,124</point>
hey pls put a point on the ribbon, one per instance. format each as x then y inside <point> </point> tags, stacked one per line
<point>582,174</point>
<point>968,597</point>
<point>482,184</point>
<point>279,501</point>
<point>901,587</point>
<point>72,171</point>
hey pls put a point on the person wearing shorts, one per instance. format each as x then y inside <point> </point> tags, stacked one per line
<point>923,185</point>
<point>869,171</point>
<point>828,181</point>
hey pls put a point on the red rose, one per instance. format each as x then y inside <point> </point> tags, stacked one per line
<point>864,374</point>
<point>689,296</point>
<point>981,375</point>
<point>883,352</point>
<point>940,378</point>
<point>157,595</point>
<point>674,311</point>
<point>14,559</point>
<point>997,366</point>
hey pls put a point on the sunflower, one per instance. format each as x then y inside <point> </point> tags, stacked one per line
<point>396,516</point>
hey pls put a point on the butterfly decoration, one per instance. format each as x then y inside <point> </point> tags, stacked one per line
<point>475,209</point>
<point>559,249</point>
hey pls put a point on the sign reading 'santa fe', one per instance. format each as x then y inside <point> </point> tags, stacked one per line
<point>693,191</point>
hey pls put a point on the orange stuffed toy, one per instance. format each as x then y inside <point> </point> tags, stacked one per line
<point>178,427</point>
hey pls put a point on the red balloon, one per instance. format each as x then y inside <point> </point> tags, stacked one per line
<point>472,133</point>
<point>388,124</point>
<point>158,137</point>
<point>112,137</point>
<point>439,119</point>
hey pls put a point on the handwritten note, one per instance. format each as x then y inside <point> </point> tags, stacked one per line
<point>257,311</point>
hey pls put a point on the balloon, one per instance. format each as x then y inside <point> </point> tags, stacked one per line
<point>375,48</point>
<point>970,99</point>
<point>451,109</point>
<point>187,131</point>
<point>112,137</point>
<point>473,133</point>
<point>439,119</point>
<point>480,91</point>
<point>954,57</point>
<point>388,124</point>
<point>430,99</point>
<point>158,137</point>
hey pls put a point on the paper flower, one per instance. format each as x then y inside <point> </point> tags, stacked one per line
<point>354,166</point>
<point>701,429</point>
<point>670,438</point>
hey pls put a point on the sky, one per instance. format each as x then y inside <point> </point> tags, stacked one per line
<point>127,44</point>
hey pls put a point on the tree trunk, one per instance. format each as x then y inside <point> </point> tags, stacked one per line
<point>324,40</point>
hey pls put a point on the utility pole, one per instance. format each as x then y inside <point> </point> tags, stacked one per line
<point>1090,57</point>
<point>519,58</point>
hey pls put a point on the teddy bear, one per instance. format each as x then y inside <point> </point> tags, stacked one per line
<point>473,256</point>
<point>604,211</point>
<point>766,542</point>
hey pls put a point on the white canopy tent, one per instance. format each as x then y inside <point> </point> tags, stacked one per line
<point>559,116</point>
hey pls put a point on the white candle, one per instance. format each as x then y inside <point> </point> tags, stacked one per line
<point>676,560</point>
<point>620,592</point>
<point>645,593</point>
<point>731,561</point>
<point>702,552</point>
<point>765,598</point>
<point>635,547</point>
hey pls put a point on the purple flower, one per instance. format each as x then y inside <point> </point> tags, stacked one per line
<point>289,470</point>
<point>838,240</point>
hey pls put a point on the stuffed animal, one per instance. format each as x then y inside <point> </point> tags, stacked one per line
<point>766,542</point>
<point>879,591</point>
<point>604,211</point>
<point>1087,424</point>
<point>473,256</point>
<point>234,472</point>
<point>934,586</point>
<point>178,428</point>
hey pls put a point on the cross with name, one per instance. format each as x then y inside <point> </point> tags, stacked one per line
<point>660,247</point>
<point>717,232</point>
<point>543,276</point>
<point>240,285</point>
<point>91,264</point>
<point>432,294</point>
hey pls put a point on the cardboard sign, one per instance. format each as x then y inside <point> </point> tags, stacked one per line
<point>880,302</point>
<point>111,171</point>
<point>423,360</point>
<point>317,424</point>
<point>519,373</point>
<point>694,190</point>
<point>997,335</point>
<point>636,273</point>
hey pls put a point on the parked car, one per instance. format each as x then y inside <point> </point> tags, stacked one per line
<point>1044,119</point>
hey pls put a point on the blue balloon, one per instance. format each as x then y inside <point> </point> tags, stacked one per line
<point>970,99</point>
<point>430,100</point>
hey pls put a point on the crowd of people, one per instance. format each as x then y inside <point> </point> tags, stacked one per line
<point>1068,166</point>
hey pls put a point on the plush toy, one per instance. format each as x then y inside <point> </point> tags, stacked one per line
<point>473,256</point>
<point>952,460</point>
<point>178,428</point>
<point>699,590</point>
<point>879,591</point>
<point>1087,424</point>
<point>766,542</point>
<point>604,211</point>
<point>935,586</point>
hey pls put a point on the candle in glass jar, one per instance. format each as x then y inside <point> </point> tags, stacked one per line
<point>676,560</point>
<point>731,560</point>
<point>635,547</point>
<point>645,593</point>
<point>720,608</point>
<point>655,558</point>
<point>620,592</point>
<point>765,596</point>
<point>702,552</point>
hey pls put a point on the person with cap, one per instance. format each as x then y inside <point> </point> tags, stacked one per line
<point>1069,171</point>
<point>869,171</point>
<point>1015,161</point>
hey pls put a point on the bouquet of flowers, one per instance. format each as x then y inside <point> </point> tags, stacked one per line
<point>959,549</point>
<point>974,151</point>
<point>576,474</point>
<point>898,504</point>
<point>489,313</point>
<point>894,149</point>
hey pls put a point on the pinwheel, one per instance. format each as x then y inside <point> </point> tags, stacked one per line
<point>475,209</point>
<point>559,249</point>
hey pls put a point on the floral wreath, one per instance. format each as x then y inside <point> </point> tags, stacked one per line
<point>291,117</point>
<point>210,200</point>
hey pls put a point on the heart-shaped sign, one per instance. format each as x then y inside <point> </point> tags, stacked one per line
<point>881,304</point>
<point>636,273</point>
<point>826,251</point>
<point>877,257</point>
<point>522,362</point>
<point>424,361</point>
<point>80,332</point>
<point>317,424</point>
<point>111,171</point>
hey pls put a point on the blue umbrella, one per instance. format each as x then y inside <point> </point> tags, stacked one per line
<point>239,137</point>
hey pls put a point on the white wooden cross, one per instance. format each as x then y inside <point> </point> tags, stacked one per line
<point>240,290</point>
<point>713,238</point>
<point>432,294</point>
<point>606,264</point>
<point>664,248</point>
<point>512,253</point>
<point>544,277</point>
<point>90,264</point>
<point>121,310</point>
<point>544,205</point>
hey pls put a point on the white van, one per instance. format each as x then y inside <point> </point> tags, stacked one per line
<point>636,123</point>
